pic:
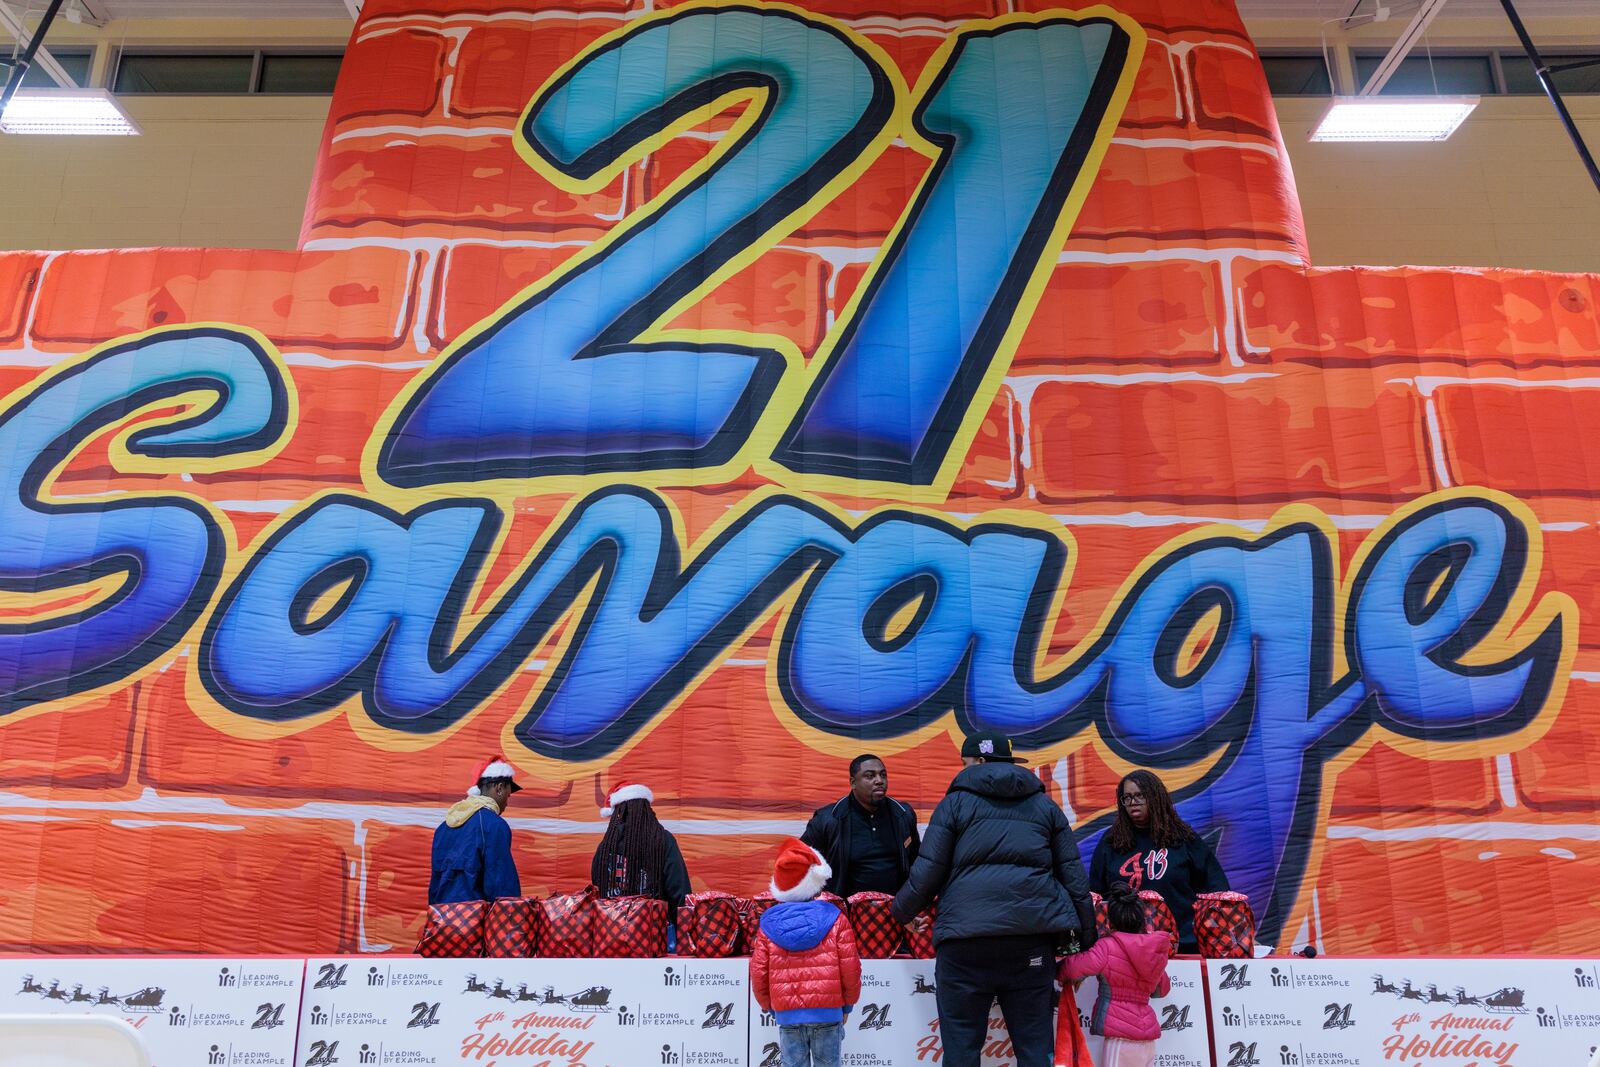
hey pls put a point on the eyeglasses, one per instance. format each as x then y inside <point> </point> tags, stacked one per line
<point>1131,798</point>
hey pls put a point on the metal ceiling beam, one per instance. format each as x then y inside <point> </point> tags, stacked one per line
<point>30,51</point>
<point>1349,18</point>
<point>13,24</point>
<point>1544,71</point>
<point>1412,34</point>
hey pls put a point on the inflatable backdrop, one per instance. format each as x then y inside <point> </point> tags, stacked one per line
<point>704,394</point>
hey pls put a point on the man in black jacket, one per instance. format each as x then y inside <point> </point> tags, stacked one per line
<point>1002,862</point>
<point>868,838</point>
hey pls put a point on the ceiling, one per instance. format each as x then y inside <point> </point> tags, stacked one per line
<point>1328,9</point>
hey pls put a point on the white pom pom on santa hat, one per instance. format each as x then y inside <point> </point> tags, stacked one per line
<point>800,872</point>
<point>496,767</point>
<point>625,791</point>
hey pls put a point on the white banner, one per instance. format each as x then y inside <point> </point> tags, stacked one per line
<point>525,1012</point>
<point>897,1021</point>
<point>1404,1013</point>
<point>210,1012</point>
<point>696,1013</point>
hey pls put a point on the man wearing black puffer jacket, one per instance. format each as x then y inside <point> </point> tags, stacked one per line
<point>1001,860</point>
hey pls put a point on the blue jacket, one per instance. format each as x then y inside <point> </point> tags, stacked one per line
<point>472,856</point>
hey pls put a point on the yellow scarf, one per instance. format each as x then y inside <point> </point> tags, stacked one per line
<point>462,810</point>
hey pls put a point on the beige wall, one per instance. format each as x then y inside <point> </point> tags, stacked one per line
<point>208,171</point>
<point>224,171</point>
<point>1507,190</point>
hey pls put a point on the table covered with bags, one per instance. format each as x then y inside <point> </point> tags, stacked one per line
<point>715,925</point>
<point>710,925</point>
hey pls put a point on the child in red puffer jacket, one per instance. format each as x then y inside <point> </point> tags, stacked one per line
<point>805,968</point>
<point>1132,966</point>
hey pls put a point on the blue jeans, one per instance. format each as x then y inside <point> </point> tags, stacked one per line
<point>810,1044</point>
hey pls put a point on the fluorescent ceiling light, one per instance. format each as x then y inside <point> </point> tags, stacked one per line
<point>1393,118</point>
<point>67,111</point>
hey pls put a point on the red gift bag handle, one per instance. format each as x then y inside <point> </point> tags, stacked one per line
<point>1072,1048</point>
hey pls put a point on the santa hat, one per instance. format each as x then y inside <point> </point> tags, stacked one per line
<point>497,767</point>
<point>624,791</point>
<point>799,873</point>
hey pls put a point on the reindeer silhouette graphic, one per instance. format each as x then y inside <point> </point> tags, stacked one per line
<point>79,996</point>
<point>551,996</point>
<point>475,986</point>
<point>1436,997</point>
<point>1462,998</point>
<point>55,992</point>
<point>30,986</point>
<point>106,997</point>
<point>924,986</point>
<point>1409,992</point>
<point>500,992</point>
<point>1380,986</point>
<point>523,994</point>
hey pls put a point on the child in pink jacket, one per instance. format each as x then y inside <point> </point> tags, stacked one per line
<point>1132,966</point>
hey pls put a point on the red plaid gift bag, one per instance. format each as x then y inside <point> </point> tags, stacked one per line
<point>567,928</point>
<point>1158,917</point>
<point>685,926</point>
<point>630,927</point>
<point>750,911</point>
<point>453,930</point>
<point>708,925</point>
<point>511,927</point>
<point>919,935</point>
<point>878,932</point>
<point>1225,926</point>
<point>1102,917</point>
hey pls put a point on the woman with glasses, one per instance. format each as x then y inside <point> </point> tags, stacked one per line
<point>1149,846</point>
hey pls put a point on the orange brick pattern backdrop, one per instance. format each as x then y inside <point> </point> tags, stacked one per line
<point>1199,440</point>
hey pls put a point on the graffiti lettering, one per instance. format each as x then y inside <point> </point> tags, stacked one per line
<point>886,632</point>
<point>163,553</point>
<point>1264,702</point>
<point>1243,658</point>
<point>817,99</point>
<point>849,424</point>
<point>587,334</point>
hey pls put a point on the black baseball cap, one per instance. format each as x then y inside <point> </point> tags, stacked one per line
<point>989,745</point>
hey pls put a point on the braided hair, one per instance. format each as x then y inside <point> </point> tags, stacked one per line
<point>632,857</point>
<point>1166,827</point>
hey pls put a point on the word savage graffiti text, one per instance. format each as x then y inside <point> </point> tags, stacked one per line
<point>1243,653</point>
